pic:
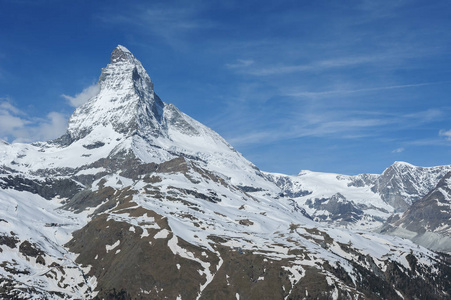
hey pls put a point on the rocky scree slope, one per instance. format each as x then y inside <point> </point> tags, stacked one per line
<point>138,200</point>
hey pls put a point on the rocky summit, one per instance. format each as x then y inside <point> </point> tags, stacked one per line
<point>139,201</point>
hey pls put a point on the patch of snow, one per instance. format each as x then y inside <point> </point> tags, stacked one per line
<point>162,234</point>
<point>111,247</point>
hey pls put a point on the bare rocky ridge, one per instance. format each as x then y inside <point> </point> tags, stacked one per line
<point>139,201</point>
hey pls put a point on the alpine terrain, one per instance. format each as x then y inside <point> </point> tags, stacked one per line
<point>139,201</point>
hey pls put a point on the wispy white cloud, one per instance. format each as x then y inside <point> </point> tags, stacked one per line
<point>433,141</point>
<point>337,125</point>
<point>7,107</point>
<point>398,150</point>
<point>328,93</point>
<point>285,62</point>
<point>426,116</point>
<point>84,96</point>
<point>11,119</point>
<point>253,69</point>
<point>312,126</point>
<point>171,19</point>
<point>171,23</point>
<point>445,133</point>
<point>52,126</point>
<point>240,63</point>
<point>17,126</point>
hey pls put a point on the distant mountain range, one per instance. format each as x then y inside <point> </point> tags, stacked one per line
<point>139,201</point>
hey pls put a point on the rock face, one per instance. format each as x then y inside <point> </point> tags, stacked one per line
<point>139,201</point>
<point>428,220</point>
<point>402,184</point>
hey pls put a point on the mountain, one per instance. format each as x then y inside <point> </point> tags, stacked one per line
<point>428,220</point>
<point>139,201</point>
<point>363,201</point>
<point>402,183</point>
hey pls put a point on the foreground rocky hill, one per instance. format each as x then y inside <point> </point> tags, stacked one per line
<point>139,201</point>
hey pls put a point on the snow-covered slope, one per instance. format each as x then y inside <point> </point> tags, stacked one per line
<point>335,199</point>
<point>138,200</point>
<point>32,257</point>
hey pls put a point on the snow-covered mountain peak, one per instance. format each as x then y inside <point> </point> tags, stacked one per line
<point>403,165</point>
<point>126,100</point>
<point>121,54</point>
<point>126,117</point>
<point>403,183</point>
<point>124,66</point>
<point>304,172</point>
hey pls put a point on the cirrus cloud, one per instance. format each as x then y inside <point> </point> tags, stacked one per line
<point>398,150</point>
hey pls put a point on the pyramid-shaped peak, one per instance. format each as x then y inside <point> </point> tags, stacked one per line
<point>121,54</point>
<point>126,100</point>
<point>122,48</point>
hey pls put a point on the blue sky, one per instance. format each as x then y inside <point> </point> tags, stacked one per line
<point>335,86</point>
